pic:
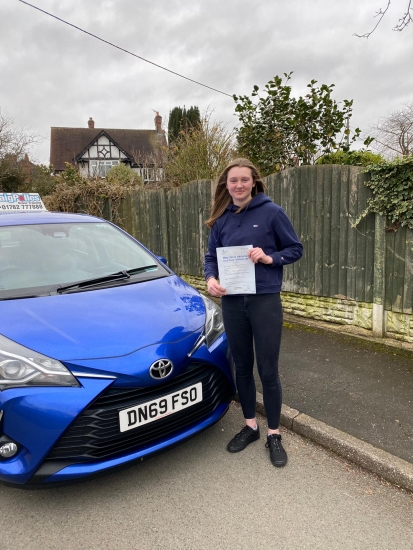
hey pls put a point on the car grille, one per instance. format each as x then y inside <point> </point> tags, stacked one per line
<point>95,432</point>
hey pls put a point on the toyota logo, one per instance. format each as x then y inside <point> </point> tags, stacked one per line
<point>161,369</point>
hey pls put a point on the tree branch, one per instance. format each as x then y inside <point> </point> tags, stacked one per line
<point>402,24</point>
<point>380,13</point>
<point>406,19</point>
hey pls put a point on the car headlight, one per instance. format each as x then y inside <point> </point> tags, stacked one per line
<point>214,325</point>
<point>20,366</point>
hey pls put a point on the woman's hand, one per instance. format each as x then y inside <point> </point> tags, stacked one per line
<point>214,288</point>
<point>258,255</point>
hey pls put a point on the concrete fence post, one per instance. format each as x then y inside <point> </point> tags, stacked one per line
<point>214,185</point>
<point>378,322</point>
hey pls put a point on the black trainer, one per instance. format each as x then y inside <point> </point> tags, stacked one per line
<point>246,436</point>
<point>278,456</point>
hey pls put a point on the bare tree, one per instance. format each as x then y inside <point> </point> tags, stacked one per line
<point>200,152</point>
<point>393,135</point>
<point>151,165</point>
<point>14,141</point>
<point>14,145</point>
<point>406,18</point>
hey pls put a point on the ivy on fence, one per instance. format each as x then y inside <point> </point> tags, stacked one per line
<point>392,186</point>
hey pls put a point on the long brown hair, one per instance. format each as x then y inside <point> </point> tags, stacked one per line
<point>222,197</point>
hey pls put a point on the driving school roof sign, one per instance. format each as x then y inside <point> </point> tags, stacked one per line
<point>20,202</point>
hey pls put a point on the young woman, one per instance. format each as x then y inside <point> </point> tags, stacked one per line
<point>243,215</point>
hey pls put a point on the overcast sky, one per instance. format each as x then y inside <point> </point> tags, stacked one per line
<point>53,75</point>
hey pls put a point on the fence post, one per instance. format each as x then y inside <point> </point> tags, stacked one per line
<point>379,276</point>
<point>166,234</point>
<point>214,184</point>
<point>107,209</point>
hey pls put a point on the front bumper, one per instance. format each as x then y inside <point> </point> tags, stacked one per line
<point>70,433</point>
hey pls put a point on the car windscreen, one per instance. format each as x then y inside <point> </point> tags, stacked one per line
<point>35,259</point>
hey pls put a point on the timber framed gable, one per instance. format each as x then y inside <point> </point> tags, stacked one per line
<point>101,155</point>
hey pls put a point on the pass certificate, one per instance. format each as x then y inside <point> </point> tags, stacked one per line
<point>236,270</point>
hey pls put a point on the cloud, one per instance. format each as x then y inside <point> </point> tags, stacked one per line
<point>54,75</point>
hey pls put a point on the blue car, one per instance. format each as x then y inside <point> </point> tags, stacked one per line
<point>106,356</point>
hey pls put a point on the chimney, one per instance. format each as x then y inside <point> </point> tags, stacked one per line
<point>91,122</point>
<point>158,123</point>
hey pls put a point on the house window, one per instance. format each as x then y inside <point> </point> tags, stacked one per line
<point>147,174</point>
<point>104,151</point>
<point>101,167</point>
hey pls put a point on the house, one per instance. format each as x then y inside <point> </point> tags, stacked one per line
<point>16,173</point>
<point>27,167</point>
<point>96,150</point>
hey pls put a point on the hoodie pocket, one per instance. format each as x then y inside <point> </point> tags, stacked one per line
<point>266,276</point>
<point>262,275</point>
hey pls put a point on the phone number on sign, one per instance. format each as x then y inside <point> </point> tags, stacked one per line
<point>21,206</point>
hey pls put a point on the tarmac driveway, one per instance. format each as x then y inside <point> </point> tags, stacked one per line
<point>200,497</point>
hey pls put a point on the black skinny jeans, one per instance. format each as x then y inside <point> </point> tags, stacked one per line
<point>256,320</point>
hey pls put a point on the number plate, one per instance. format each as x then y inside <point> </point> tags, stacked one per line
<point>159,408</point>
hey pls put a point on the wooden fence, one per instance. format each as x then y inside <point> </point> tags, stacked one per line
<point>363,263</point>
<point>322,203</point>
<point>171,223</point>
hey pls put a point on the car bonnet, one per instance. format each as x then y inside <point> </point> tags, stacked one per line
<point>104,323</point>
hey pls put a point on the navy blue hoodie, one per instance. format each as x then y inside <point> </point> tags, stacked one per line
<point>262,224</point>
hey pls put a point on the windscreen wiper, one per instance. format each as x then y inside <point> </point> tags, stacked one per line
<point>119,276</point>
<point>136,270</point>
